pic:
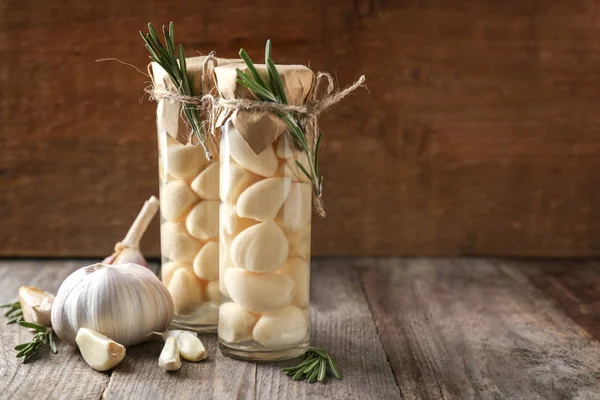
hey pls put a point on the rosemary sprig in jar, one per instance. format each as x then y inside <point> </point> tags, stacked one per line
<point>317,364</point>
<point>273,91</point>
<point>175,66</point>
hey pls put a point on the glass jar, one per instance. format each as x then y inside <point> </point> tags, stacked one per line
<point>189,193</point>
<point>265,222</point>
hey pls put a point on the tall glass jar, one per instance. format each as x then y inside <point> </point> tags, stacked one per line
<point>189,193</point>
<point>189,209</point>
<point>265,222</point>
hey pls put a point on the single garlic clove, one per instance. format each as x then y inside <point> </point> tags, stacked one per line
<point>206,263</point>
<point>169,269</point>
<point>283,148</point>
<point>231,221</point>
<point>36,305</point>
<point>260,248</point>
<point>263,200</point>
<point>190,346</point>
<point>185,161</point>
<point>259,293</point>
<point>281,328</point>
<point>169,359</point>
<point>176,243</point>
<point>299,242</point>
<point>186,291</point>
<point>235,323</point>
<point>296,211</point>
<point>234,180</point>
<point>203,221</point>
<point>99,351</point>
<point>212,292</point>
<point>298,269</point>
<point>264,163</point>
<point>206,184</point>
<point>224,260</point>
<point>177,199</point>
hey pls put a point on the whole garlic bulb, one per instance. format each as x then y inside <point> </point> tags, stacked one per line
<point>124,302</point>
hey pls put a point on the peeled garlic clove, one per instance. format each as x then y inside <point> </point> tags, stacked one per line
<point>299,242</point>
<point>206,263</point>
<point>224,261</point>
<point>231,221</point>
<point>169,269</point>
<point>264,163</point>
<point>190,346</point>
<point>234,180</point>
<point>99,351</point>
<point>296,211</point>
<point>263,200</point>
<point>177,199</point>
<point>203,221</point>
<point>260,248</point>
<point>36,305</point>
<point>259,293</point>
<point>283,148</point>
<point>298,269</point>
<point>281,328</point>
<point>169,359</point>
<point>177,244</point>
<point>212,292</point>
<point>206,184</point>
<point>186,292</point>
<point>124,302</point>
<point>185,161</point>
<point>235,323</point>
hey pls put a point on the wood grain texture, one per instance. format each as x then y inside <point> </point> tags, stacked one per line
<point>478,330</point>
<point>478,134</point>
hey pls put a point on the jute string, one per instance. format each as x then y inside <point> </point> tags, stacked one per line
<point>211,105</point>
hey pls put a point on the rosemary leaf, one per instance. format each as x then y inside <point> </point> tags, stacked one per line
<point>32,325</point>
<point>314,366</point>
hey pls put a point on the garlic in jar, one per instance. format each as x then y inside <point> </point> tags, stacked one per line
<point>124,302</point>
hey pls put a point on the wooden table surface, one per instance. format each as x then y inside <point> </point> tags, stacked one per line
<point>399,328</point>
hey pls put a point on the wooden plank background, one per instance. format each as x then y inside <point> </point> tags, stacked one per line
<point>479,133</point>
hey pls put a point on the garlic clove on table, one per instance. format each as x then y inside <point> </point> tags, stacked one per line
<point>100,352</point>
<point>169,359</point>
<point>190,345</point>
<point>36,305</point>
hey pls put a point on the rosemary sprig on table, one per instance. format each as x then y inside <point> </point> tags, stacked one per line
<point>42,336</point>
<point>273,91</point>
<point>316,365</point>
<point>14,314</point>
<point>175,67</point>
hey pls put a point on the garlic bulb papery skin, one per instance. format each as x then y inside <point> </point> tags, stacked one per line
<point>36,305</point>
<point>124,302</point>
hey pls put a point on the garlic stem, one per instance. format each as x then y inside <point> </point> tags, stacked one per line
<point>169,359</point>
<point>100,352</point>
<point>36,305</point>
<point>139,226</point>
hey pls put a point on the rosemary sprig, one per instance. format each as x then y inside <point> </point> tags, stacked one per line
<point>175,66</point>
<point>316,365</point>
<point>273,91</point>
<point>42,336</point>
<point>14,314</point>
